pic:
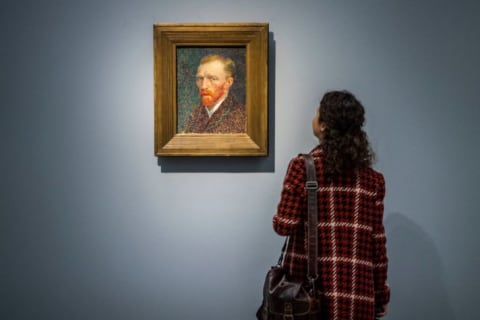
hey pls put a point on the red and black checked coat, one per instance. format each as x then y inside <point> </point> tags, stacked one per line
<point>230,117</point>
<point>352,255</point>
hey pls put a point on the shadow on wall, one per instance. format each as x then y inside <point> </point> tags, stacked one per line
<point>235,164</point>
<point>415,272</point>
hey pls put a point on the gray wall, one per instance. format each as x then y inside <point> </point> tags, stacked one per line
<point>93,226</point>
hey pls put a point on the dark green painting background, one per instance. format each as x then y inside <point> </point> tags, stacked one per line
<point>187,63</point>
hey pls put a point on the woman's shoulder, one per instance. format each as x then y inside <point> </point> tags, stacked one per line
<point>375,180</point>
<point>373,174</point>
<point>299,159</point>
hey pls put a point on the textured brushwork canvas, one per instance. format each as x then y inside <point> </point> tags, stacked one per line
<point>188,59</point>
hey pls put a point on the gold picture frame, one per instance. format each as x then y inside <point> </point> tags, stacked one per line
<point>250,38</point>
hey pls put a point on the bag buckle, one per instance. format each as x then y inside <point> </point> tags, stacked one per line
<point>288,312</point>
<point>311,185</point>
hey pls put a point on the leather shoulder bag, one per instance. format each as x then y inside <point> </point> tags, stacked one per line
<point>287,300</point>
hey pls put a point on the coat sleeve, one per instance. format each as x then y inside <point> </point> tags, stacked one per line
<point>380,260</point>
<point>291,207</point>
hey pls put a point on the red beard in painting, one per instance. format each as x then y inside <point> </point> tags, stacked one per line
<point>210,97</point>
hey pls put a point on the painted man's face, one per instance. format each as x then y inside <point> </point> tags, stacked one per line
<point>213,82</point>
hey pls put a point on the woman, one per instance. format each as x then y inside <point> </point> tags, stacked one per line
<point>352,257</point>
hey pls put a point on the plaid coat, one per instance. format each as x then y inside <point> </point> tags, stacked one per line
<point>229,118</point>
<point>352,259</point>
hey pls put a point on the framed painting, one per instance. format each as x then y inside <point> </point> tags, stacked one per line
<point>211,89</point>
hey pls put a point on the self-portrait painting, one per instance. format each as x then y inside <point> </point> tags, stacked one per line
<point>211,89</point>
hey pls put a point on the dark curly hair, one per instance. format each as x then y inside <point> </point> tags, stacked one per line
<point>344,143</point>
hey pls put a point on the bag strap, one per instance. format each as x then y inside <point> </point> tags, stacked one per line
<point>282,254</point>
<point>311,186</point>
